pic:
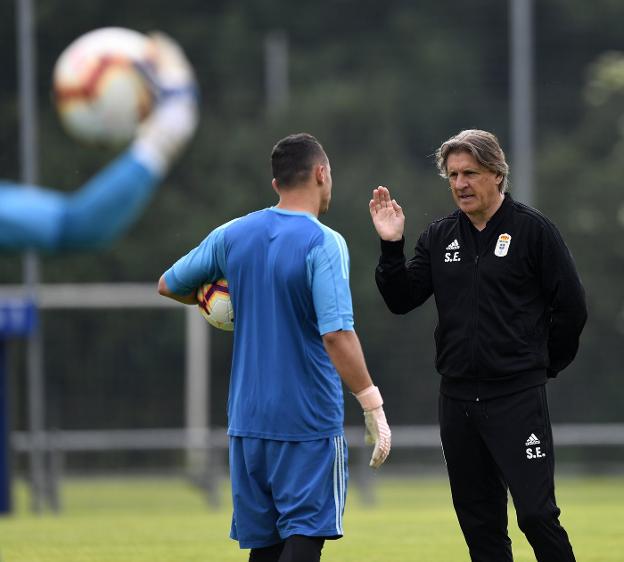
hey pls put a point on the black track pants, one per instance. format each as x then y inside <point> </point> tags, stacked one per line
<point>495,445</point>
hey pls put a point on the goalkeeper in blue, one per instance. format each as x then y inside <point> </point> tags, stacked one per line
<point>106,206</point>
<point>294,342</point>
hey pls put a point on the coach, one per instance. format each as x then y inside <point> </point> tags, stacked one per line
<point>511,308</point>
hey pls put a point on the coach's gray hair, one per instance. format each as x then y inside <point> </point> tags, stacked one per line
<point>483,146</point>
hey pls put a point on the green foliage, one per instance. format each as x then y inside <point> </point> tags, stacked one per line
<point>381,85</point>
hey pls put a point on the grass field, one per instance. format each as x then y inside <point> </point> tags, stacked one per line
<point>166,520</point>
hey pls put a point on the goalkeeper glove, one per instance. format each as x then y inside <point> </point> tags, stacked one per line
<point>377,429</point>
<point>162,136</point>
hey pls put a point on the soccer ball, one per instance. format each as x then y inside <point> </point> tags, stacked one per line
<point>215,304</point>
<point>100,87</point>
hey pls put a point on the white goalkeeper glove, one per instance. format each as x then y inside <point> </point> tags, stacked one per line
<point>167,130</point>
<point>377,429</point>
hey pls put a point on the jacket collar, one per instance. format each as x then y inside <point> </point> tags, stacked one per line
<point>491,230</point>
<point>495,219</point>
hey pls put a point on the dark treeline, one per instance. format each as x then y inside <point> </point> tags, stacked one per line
<point>381,85</point>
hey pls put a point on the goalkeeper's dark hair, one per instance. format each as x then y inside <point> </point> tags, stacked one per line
<point>293,158</point>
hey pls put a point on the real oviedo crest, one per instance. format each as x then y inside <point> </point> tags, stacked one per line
<point>502,245</point>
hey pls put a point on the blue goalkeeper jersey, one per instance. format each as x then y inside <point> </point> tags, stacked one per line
<point>288,278</point>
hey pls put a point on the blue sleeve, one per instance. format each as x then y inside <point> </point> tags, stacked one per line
<point>108,204</point>
<point>328,275</point>
<point>202,264</point>
<point>95,215</point>
<point>30,217</point>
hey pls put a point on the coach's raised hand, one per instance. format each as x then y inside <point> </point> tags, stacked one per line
<point>387,215</point>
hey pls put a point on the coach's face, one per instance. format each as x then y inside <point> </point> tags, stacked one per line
<point>475,189</point>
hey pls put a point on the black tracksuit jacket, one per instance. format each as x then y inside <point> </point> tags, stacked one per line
<point>510,303</point>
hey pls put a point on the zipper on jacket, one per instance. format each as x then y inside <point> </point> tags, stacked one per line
<point>476,321</point>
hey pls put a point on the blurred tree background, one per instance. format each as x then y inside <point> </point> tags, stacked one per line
<point>381,85</point>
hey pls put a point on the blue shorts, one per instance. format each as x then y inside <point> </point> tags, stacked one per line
<point>284,488</point>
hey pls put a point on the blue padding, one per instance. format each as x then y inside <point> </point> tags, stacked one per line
<point>18,317</point>
<point>5,465</point>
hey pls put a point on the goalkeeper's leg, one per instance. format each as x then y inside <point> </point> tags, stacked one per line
<point>299,548</point>
<point>296,548</point>
<point>267,554</point>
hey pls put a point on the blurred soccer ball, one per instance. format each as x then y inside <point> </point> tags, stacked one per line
<point>215,304</point>
<point>100,91</point>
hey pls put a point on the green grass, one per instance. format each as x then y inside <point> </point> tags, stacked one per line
<point>160,520</point>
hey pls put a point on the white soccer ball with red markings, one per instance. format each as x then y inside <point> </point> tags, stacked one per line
<point>100,90</point>
<point>215,304</point>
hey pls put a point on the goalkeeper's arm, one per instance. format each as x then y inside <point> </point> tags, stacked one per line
<point>105,207</point>
<point>345,351</point>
